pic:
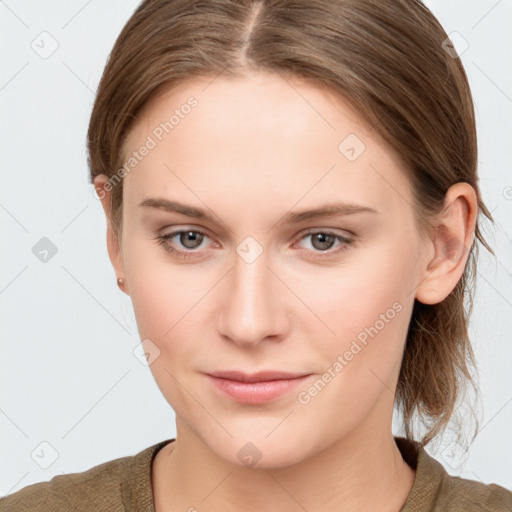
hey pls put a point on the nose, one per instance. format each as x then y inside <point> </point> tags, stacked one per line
<point>253,307</point>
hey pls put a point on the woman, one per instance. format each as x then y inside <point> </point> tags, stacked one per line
<point>292,206</point>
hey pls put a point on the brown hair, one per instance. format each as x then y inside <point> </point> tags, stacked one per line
<point>389,61</point>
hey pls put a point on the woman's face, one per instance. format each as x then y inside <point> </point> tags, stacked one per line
<point>257,286</point>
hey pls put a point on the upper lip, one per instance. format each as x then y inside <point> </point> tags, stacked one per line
<point>262,376</point>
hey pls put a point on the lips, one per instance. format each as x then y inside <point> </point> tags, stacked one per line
<point>263,376</point>
<point>256,388</point>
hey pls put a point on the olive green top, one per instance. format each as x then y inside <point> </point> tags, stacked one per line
<point>125,484</point>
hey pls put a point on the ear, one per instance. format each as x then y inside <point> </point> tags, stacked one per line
<point>451,243</point>
<point>103,189</point>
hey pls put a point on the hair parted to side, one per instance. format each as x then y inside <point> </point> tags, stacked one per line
<point>387,60</point>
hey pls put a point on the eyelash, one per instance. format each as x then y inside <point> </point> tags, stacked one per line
<point>162,239</point>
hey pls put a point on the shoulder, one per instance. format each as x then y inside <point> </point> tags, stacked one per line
<point>457,493</point>
<point>98,485</point>
<point>102,487</point>
<point>434,489</point>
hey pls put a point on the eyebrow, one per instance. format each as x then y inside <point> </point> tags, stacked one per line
<point>292,217</point>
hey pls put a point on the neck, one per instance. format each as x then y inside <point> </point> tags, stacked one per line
<point>362,471</point>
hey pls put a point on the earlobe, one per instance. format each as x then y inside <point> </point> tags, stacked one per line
<point>451,242</point>
<point>101,184</point>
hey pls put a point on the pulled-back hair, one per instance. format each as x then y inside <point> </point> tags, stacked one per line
<point>392,61</point>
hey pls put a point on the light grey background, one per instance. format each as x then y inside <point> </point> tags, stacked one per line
<point>69,377</point>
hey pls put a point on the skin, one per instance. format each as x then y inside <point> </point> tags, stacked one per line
<point>253,149</point>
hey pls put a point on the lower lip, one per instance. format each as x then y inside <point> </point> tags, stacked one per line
<point>256,392</point>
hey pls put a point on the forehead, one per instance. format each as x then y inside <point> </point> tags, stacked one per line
<point>265,136</point>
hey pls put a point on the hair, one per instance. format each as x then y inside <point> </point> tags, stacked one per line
<point>390,62</point>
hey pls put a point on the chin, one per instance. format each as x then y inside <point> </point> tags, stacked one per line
<point>258,449</point>
<point>262,454</point>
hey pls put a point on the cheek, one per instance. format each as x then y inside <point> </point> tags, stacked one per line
<point>164,294</point>
<point>367,315</point>
<point>167,305</point>
<point>360,363</point>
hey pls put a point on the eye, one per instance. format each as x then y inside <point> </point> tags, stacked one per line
<point>322,241</point>
<point>189,239</point>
